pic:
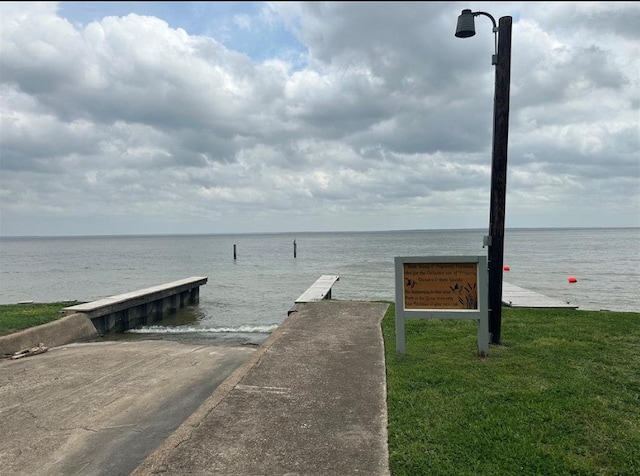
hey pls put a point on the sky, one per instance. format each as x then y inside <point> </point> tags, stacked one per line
<point>249,117</point>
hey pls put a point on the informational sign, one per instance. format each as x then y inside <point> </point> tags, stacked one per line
<point>440,285</point>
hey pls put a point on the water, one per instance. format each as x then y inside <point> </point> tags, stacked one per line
<point>253,293</point>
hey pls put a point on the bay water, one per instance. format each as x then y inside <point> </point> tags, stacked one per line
<point>252,293</point>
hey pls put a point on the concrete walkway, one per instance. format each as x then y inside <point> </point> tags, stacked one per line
<point>311,401</point>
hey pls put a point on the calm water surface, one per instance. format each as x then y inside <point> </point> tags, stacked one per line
<point>254,292</point>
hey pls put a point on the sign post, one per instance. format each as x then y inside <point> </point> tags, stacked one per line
<point>442,287</point>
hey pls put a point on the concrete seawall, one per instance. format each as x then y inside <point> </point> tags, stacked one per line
<point>126,311</point>
<point>68,329</point>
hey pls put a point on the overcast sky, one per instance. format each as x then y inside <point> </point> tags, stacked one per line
<point>235,117</point>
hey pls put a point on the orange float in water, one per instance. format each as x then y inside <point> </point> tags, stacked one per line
<point>506,267</point>
<point>572,279</point>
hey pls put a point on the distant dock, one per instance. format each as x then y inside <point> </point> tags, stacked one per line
<point>514,296</point>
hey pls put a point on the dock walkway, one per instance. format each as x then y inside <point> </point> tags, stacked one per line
<point>319,290</point>
<point>515,296</point>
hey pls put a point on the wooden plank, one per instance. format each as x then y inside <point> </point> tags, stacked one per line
<point>515,296</point>
<point>319,290</point>
<point>28,352</point>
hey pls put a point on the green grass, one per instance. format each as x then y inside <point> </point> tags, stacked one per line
<point>15,317</point>
<point>560,396</point>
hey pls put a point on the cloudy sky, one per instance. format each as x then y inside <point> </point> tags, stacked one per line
<point>235,117</point>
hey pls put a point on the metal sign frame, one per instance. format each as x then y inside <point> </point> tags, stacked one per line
<point>431,281</point>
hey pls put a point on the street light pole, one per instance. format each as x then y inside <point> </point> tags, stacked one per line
<point>495,240</point>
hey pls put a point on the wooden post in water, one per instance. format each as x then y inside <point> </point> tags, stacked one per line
<point>234,251</point>
<point>294,249</point>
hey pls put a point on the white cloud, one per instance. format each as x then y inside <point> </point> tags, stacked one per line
<point>312,116</point>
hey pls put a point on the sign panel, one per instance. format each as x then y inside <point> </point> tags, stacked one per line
<point>440,285</point>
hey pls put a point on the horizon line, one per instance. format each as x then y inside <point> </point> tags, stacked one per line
<point>309,232</point>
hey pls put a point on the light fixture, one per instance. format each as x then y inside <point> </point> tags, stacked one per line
<point>466,28</point>
<point>466,24</point>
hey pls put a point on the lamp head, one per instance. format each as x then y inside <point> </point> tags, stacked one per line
<point>466,25</point>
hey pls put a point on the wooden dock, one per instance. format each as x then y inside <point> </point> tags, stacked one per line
<point>319,290</point>
<point>514,296</point>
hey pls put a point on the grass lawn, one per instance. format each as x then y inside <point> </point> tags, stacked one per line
<point>15,317</point>
<point>560,396</point>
